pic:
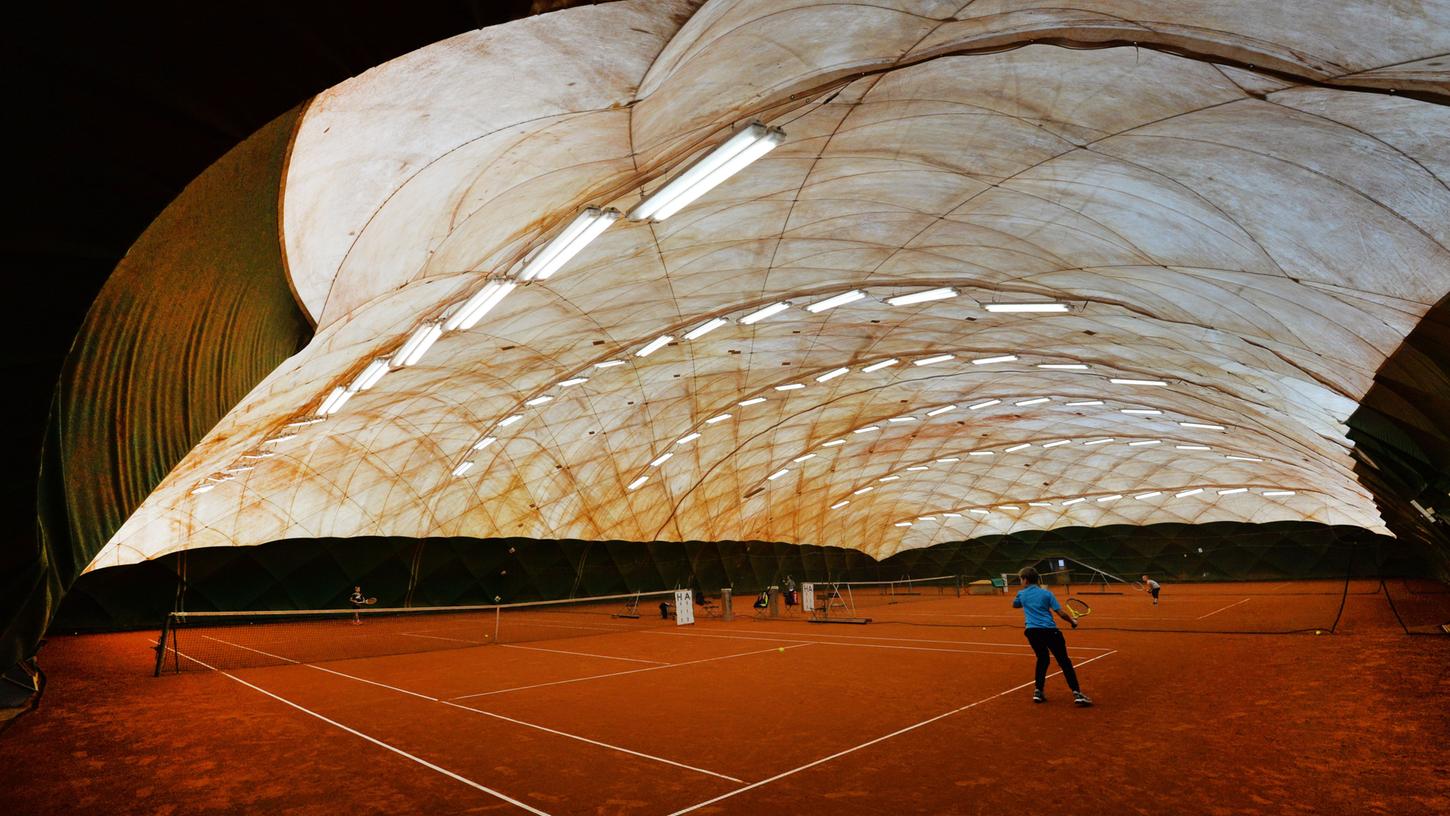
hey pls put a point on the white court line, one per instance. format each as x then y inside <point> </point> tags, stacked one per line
<point>582,654</point>
<point>618,673</point>
<point>895,733</point>
<point>908,640</point>
<point>374,740</point>
<point>247,648</point>
<point>618,748</point>
<point>590,741</point>
<point>1230,606</point>
<point>440,637</point>
<point>859,645</point>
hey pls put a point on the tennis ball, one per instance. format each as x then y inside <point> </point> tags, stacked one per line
<point>781,649</point>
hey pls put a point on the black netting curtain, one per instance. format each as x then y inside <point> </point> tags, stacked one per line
<point>198,312</point>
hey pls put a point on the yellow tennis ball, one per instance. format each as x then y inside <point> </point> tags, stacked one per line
<point>781,649</point>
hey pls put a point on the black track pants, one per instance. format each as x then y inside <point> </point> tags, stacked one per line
<point>1046,641</point>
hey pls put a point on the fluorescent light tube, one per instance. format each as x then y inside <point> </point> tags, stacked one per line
<point>922,297</point>
<point>772,309</point>
<point>325,408</point>
<point>714,167</point>
<point>463,468</point>
<point>866,489</point>
<point>418,344</point>
<point>790,386</point>
<point>942,410</point>
<point>635,485</point>
<point>902,419</point>
<point>982,405</point>
<point>1203,426</point>
<point>888,478</point>
<point>302,423</point>
<point>903,524</point>
<point>370,375</point>
<point>1113,497</point>
<point>1004,358</point>
<point>687,438</point>
<point>867,429</point>
<point>1099,441</point>
<point>1056,443</point>
<point>1039,504</point>
<point>919,467</point>
<point>838,505</point>
<point>926,518</point>
<point>751,401</point>
<point>776,475</point>
<point>509,420</point>
<point>1149,494</point>
<point>705,328</point>
<point>1232,491</point>
<point>337,403</point>
<point>661,459</point>
<point>979,511</point>
<point>1063,366</point>
<point>583,229</point>
<point>804,458</point>
<point>1191,447</point>
<point>573,381</point>
<point>714,419</point>
<point>1014,508</point>
<point>1018,447</point>
<point>980,453</point>
<point>484,442</point>
<point>1140,411</point>
<point>239,469</point>
<point>833,443</point>
<point>539,400</point>
<point>202,489</point>
<point>1025,307</point>
<point>654,345</point>
<point>1143,442</point>
<point>948,460</point>
<point>939,358</point>
<point>467,316</point>
<point>833,374</point>
<point>1033,401</point>
<point>277,440</point>
<point>1194,492</point>
<point>1126,381</point>
<point>836,300</point>
<point>1278,492</point>
<point>609,364</point>
<point>952,515</point>
<point>1081,403</point>
<point>1244,458</point>
<point>262,455</point>
<point>1071,502</point>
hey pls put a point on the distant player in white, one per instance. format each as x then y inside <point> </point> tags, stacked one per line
<point>1152,587</point>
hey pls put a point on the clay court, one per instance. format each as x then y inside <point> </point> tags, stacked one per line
<point>928,712</point>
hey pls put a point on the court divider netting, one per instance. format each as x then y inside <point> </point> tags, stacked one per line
<point>235,640</point>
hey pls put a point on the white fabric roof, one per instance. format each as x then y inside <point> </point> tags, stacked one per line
<point>1234,207</point>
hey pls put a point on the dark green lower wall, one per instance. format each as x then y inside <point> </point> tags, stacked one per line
<point>319,573</point>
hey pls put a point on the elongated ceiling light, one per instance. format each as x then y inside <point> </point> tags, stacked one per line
<point>370,375</point>
<point>1129,381</point>
<point>473,309</point>
<point>878,366</point>
<point>583,229</point>
<point>418,344</point>
<point>761,314</point>
<point>835,300</point>
<point>714,167</point>
<point>1005,358</point>
<point>939,358</point>
<point>654,345</point>
<point>833,374</point>
<point>333,401</point>
<point>1026,307</point>
<point>705,328</point>
<point>922,297</point>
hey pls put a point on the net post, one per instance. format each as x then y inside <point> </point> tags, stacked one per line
<point>727,604</point>
<point>497,613</point>
<point>161,644</point>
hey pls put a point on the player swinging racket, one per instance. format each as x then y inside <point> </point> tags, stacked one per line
<point>1038,606</point>
<point>1152,587</point>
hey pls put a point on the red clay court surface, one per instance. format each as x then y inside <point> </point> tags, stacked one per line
<point>928,714</point>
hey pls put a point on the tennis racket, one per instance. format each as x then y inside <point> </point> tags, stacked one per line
<point>1138,585</point>
<point>1077,608</point>
<point>371,601</point>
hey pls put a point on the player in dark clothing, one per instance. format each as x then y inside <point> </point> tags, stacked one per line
<point>1038,606</point>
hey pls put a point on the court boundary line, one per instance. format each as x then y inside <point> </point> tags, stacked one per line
<point>802,641</point>
<point>374,740</point>
<point>433,699</point>
<point>582,654</point>
<point>623,672</point>
<point>896,733</point>
<point>901,639</point>
<point>1220,609</point>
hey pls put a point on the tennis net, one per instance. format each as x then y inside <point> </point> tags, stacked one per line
<point>234,640</point>
<point>859,599</point>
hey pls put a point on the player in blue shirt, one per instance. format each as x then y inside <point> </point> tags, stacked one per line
<point>1038,606</point>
